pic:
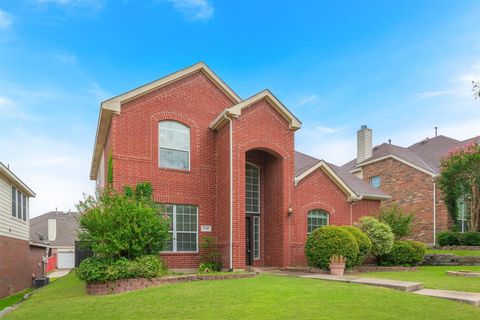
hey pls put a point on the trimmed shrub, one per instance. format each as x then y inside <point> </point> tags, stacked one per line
<point>379,233</point>
<point>404,253</point>
<point>449,238</point>
<point>471,238</point>
<point>95,269</point>
<point>400,221</point>
<point>364,243</point>
<point>327,241</point>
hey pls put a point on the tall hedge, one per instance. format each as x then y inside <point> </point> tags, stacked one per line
<point>364,243</point>
<point>327,241</point>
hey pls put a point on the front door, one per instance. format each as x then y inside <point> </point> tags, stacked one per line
<point>248,241</point>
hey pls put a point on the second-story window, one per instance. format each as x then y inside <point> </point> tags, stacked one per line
<point>376,181</point>
<point>174,145</point>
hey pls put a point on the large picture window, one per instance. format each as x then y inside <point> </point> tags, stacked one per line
<point>174,145</point>
<point>252,188</point>
<point>183,228</point>
<point>316,218</point>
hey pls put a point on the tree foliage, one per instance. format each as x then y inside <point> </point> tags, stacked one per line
<point>400,221</point>
<point>460,179</point>
<point>117,225</point>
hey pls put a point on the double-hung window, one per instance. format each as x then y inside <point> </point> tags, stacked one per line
<point>19,204</point>
<point>183,228</point>
<point>376,181</point>
<point>316,218</point>
<point>174,145</point>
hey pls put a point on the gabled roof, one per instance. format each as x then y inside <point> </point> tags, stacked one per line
<point>236,110</point>
<point>12,178</point>
<point>354,187</point>
<point>425,155</point>
<point>67,228</point>
<point>113,105</point>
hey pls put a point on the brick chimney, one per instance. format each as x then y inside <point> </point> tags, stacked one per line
<point>364,143</point>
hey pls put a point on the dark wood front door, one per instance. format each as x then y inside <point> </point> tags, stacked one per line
<point>248,241</point>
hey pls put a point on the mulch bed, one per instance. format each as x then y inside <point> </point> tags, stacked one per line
<point>125,285</point>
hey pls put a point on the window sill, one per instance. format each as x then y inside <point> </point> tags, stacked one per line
<point>171,253</point>
<point>175,170</point>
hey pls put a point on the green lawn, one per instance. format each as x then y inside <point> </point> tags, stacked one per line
<point>434,278</point>
<point>263,297</point>
<point>455,252</point>
<point>14,298</point>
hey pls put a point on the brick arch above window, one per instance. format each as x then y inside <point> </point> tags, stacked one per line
<point>267,146</point>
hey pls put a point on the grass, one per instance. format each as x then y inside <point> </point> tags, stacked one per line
<point>262,297</point>
<point>14,298</point>
<point>434,278</point>
<point>470,253</point>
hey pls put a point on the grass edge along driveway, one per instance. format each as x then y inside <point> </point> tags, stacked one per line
<point>262,297</point>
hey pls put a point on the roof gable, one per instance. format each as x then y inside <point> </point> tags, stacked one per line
<point>12,178</point>
<point>236,110</point>
<point>113,105</point>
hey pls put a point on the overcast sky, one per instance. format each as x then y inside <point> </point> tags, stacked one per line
<point>401,67</point>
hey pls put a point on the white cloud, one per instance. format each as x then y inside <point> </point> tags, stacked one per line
<point>431,94</point>
<point>328,130</point>
<point>8,109</point>
<point>306,99</point>
<point>5,20</point>
<point>194,9</point>
<point>94,4</point>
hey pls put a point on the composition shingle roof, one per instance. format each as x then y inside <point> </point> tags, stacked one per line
<point>425,154</point>
<point>67,228</point>
<point>304,162</point>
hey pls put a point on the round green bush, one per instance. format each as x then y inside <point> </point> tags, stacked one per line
<point>379,233</point>
<point>327,241</point>
<point>471,238</point>
<point>364,243</point>
<point>404,253</point>
<point>449,238</point>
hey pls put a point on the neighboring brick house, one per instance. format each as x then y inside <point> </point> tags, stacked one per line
<point>19,257</point>
<point>224,167</point>
<point>60,231</point>
<point>409,176</point>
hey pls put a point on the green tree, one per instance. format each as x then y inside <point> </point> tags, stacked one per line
<point>400,221</point>
<point>116,225</point>
<point>460,179</point>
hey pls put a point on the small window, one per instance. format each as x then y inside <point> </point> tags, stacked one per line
<point>376,181</point>
<point>256,237</point>
<point>183,228</point>
<point>19,204</point>
<point>316,219</point>
<point>174,145</point>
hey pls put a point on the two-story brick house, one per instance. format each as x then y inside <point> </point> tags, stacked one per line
<point>409,175</point>
<point>224,167</point>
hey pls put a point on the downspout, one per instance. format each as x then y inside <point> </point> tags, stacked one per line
<point>231,193</point>
<point>434,213</point>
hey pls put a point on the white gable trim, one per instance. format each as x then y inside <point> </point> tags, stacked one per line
<point>431,173</point>
<point>236,111</point>
<point>352,196</point>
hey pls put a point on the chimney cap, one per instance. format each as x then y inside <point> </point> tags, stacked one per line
<point>364,126</point>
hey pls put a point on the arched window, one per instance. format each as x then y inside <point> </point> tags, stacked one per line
<point>316,218</point>
<point>174,145</point>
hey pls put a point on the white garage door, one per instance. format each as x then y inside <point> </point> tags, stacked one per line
<point>66,260</point>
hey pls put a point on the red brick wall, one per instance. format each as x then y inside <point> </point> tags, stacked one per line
<point>413,191</point>
<point>194,101</point>
<point>17,263</point>
<point>318,191</point>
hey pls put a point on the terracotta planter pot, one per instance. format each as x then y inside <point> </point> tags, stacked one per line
<point>337,269</point>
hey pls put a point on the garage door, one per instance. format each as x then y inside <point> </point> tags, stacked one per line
<point>66,260</point>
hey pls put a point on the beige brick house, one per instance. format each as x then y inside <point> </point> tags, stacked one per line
<point>409,175</point>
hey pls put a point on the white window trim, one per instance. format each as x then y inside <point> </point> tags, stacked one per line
<point>328,218</point>
<point>174,231</point>
<point>259,190</point>
<point>189,148</point>
<point>259,237</point>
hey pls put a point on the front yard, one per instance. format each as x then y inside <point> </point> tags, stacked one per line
<point>472,253</point>
<point>434,278</point>
<point>263,297</point>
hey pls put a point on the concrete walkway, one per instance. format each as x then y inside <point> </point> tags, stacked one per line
<point>414,287</point>
<point>59,273</point>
